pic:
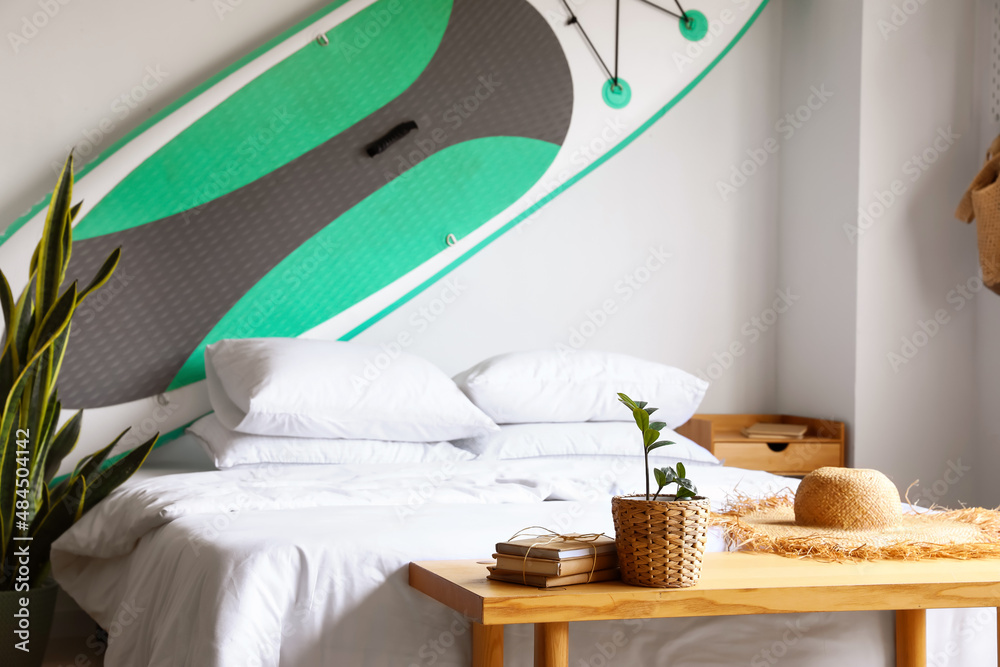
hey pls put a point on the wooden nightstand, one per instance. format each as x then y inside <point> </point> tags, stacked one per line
<point>822,445</point>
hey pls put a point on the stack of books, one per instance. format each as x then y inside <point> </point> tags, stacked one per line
<point>538,562</point>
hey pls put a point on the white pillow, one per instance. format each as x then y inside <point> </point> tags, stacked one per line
<point>521,441</point>
<point>229,448</point>
<point>333,389</point>
<point>549,386</point>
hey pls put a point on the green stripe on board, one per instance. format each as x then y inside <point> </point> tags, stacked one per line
<point>562,188</point>
<point>285,112</point>
<point>390,233</point>
<point>173,106</point>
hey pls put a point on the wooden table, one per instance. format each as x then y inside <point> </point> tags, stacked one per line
<point>732,584</point>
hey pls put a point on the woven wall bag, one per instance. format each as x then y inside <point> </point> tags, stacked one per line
<point>981,202</point>
<point>660,543</point>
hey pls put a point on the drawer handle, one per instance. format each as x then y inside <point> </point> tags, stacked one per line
<point>777,446</point>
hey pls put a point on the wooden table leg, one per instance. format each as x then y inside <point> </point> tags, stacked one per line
<point>911,638</point>
<point>487,645</point>
<point>551,644</point>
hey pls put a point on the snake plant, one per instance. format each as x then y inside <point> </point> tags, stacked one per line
<point>34,510</point>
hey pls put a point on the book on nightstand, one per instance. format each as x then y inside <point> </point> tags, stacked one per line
<point>542,581</point>
<point>561,550</point>
<point>556,568</point>
<point>763,431</point>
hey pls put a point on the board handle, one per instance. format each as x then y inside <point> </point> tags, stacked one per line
<point>394,135</point>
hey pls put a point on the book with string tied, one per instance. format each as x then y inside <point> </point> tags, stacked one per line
<point>556,568</point>
<point>764,431</point>
<point>557,549</point>
<point>541,581</point>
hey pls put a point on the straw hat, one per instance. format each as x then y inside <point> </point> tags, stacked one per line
<point>848,513</point>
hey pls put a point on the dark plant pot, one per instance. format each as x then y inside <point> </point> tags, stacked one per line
<point>41,606</point>
<point>660,543</point>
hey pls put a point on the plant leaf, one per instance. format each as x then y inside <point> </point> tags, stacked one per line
<point>62,444</point>
<point>649,436</point>
<point>681,472</point>
<point>80,498</point>
<point>657,426</point>
<point>627,401</point>
<point>641,404</point>
<point>660,476</point>
<point>57,319</point>
<point>51,258</point>
<point>7,302</point>
<point>657,445</point>
<point>685,489</point>
<point>650,411</point>
<point>641,418</point>
<point>103,274</point>
<point>91,469</point>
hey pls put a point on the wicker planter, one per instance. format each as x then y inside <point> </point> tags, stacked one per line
<point>661,544</point>
<point>40,609</point>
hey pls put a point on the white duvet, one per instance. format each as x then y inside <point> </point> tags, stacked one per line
<point>288,566</point>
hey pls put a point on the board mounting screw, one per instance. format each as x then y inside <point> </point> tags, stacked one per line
<point>450,239</point>
<point>323,40</point>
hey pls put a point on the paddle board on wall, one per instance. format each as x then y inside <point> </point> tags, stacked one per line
<point>328,177</point>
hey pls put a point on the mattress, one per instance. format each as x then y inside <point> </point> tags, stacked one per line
<point>285,566</point>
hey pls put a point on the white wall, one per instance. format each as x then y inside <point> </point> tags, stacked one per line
<point>533,286</point>
<point>988,305</point>
<point>870,280</point>
<point>916,412</point>
<point>821,49</point>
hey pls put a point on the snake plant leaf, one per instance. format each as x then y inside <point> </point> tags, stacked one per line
<point>68,234</point>
<point>36,334</point>
<point>63,443</point>
<point>103,274</point>
<point>51,257</point>
<point>33,266</point>
<point>114,475</point>
<point>92,467</point>
<point>22,326</point>
<point>43,443</point>
<point>43,507</point>
<point>6,302</point>
<point>57,319</point>
<point>8,455</point>
<point>78,499</point>
<point>6,373</point>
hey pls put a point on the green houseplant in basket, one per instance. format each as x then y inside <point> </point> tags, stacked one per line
<point>35,509</point>
<point>660,540</point>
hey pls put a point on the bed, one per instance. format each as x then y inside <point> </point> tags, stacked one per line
<point>294,552</point>
<point>284,566</point>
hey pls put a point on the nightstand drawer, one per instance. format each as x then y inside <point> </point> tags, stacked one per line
<point>779,457</point>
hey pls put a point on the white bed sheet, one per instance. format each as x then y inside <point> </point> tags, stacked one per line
<point>290,566</point>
